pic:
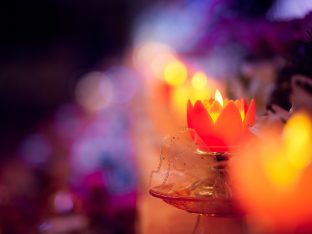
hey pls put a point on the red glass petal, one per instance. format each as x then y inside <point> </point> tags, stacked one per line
<point>199,119</point>
<point>201,122</point>
<point>229,124</point>
<point>189,113</point>
<point>250,115</point>
<point>215,107</point>
<point>245,104</point>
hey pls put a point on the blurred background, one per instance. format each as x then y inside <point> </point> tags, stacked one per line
<point>89,89</point>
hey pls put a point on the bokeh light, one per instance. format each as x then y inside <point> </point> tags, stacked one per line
<point>271,175</point>
<point>175,73</point>
<point>63,202</point>
<point>159,62</point>
<point>124,84</point>
<point>199,80</point>
<point>150,58</point>
<point>94,92</point>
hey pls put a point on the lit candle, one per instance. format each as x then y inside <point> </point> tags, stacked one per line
<point>221,124</point>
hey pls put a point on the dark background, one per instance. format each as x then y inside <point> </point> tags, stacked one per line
<point>45,46</point>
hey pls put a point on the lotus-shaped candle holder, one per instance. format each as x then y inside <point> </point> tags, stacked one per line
<point>192,174</point>
<point>220,124</point>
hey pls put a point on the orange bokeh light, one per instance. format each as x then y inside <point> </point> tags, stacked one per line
<point>175,73</point>
<point>272,175</point>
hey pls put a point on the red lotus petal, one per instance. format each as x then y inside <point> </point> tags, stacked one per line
<point>229,124</point>
<point>199,119</point>
<point>201,122</point>
<point>215,107</point>
<point>245,105</point>
<point>238,104</point>
<point>189,113</point>
<point>250,115</point>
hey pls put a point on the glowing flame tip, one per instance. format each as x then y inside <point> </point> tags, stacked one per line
<point>218,97</point>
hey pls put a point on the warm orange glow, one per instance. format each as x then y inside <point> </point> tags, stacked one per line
<point>297,149</point>
<point>179,97</point>
<point>150,57</point>
<point>218,97</point>
<point>280,173</point>
<point>241,106</point>
<point>273,174</point>
<point>175,73</point>
<point>198,88</point>
<point>219,123</point>
<point>159,62</point>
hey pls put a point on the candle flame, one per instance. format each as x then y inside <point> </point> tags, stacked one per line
<point>218,97</point>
